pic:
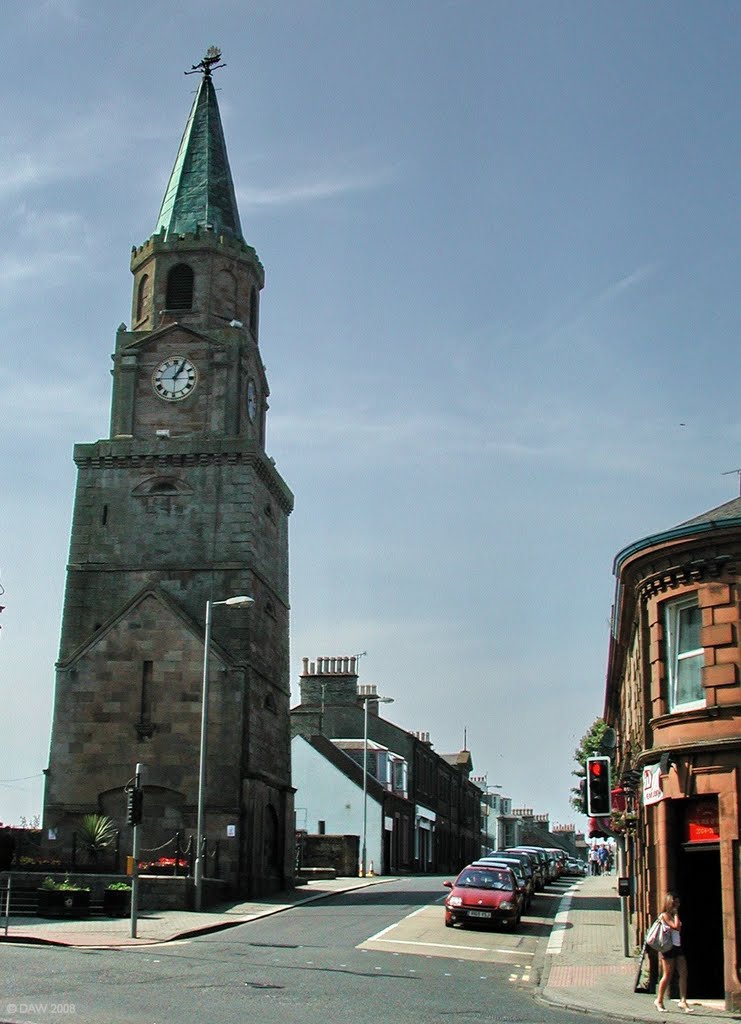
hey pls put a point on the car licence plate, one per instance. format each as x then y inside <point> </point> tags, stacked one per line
<point>479,913</point>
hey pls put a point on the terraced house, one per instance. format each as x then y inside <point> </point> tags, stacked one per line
<point>673,696</point>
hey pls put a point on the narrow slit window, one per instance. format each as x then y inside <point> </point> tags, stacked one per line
<point>253,311</point>
<point>145,716</point>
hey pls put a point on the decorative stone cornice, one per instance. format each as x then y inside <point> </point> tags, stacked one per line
<point>126,452</point>
<point>699,570</point>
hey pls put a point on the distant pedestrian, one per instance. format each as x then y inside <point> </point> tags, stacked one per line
<point>593,861</point>
<point>675,955</point>
<point>603,859</point>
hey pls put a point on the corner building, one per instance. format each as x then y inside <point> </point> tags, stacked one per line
<point>180,505</point>
<point>673,697</point>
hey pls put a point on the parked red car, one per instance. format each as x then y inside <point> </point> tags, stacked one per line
<point>483,896</point>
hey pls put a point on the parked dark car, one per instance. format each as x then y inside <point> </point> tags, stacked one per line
<point>545,864</point>
<point>535,866</point>
<point>483,896</point>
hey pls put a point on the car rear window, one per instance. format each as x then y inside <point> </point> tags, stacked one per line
<point>485,880</point>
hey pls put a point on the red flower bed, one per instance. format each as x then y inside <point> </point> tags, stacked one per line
<point>163,866</point>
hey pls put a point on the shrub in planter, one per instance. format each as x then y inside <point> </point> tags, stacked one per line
<point>117,899</point>
<point>38,864</point>
<point>63,899</point>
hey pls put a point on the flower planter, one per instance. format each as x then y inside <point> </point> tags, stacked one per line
<point>63,902</point>
<point>117,902</point>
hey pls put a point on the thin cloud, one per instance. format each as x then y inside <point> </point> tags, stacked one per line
<point>629,281</point>
<point>311,191</point>
<point>553,435</point>
<point>21,171</point>
<point>583,309</point>
<point>71,150</point>
<point>47,265</point>
<point>52,241</point>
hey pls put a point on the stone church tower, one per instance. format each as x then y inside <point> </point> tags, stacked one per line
<point>180,505</point>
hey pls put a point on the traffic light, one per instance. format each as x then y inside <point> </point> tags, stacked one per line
<point>134,804</point>
<point>599,801</point>
<point>583,796</point>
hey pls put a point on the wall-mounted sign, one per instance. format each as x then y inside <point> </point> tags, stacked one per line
<point>651,785</point>
<point>231,831</point>
<point>702,824</point>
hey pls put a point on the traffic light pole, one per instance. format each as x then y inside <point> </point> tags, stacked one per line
<point>624,900</point>
<point>135,866</point>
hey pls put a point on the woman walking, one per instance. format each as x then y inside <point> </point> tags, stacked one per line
<point>675,955</point>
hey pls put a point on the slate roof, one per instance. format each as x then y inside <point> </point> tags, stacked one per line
<point>344,763</point>
<point>532,835</point>
<point>200,192</point>
<point>729,510</point>
<point>728,514</point>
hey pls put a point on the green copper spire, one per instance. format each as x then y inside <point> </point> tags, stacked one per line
<point>200,192</point>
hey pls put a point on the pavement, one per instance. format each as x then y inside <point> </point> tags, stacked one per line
<point>157,926</point>
<point>584,966</point>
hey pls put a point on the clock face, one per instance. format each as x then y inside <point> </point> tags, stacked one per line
<point>175,378</point>
<point>251,400</point>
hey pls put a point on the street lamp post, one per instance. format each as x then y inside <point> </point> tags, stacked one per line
<point>233,602</point>
<point>365,697</point>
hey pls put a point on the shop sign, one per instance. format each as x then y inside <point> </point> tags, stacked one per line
<point>702,824</point>
<point>652,793</point>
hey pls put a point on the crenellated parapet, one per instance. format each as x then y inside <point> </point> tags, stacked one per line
<point>193,241</point>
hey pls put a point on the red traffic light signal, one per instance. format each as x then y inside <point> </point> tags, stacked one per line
<point>599,798</point>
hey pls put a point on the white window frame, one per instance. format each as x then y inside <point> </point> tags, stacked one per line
<point>672,614</point>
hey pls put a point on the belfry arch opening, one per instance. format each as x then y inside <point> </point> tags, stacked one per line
<point>180,287</point>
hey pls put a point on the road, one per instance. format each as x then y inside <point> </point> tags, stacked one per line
<point>378,954</point>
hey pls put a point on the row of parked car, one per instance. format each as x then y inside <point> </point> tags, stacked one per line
<point>498,888</point>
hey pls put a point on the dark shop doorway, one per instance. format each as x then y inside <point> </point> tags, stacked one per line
<point>700,911</point>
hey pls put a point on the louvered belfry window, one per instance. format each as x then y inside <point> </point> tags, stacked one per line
<point>180,287</point>
<point>142,300</point>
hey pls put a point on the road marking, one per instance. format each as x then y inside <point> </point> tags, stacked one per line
<point>392,926</point>
<point>560,923</point>
<point>447,945</point>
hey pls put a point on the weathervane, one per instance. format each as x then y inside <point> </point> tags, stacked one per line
<point>208,64</point>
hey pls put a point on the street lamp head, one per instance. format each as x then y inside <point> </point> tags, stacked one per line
<point>238,602</point>
<point>385,700</point>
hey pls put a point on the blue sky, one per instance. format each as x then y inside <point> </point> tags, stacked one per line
<point>500,325</point>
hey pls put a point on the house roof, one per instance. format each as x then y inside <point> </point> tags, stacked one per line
<point>534,836</point>
<point>349,768</point>
<point>728,514</point>
<point>462,760</point>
